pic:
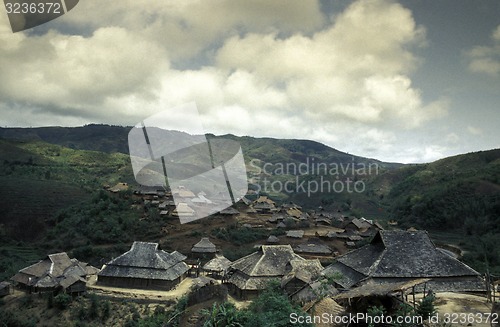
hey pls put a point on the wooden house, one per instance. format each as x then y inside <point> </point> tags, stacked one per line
<point>295,233</point>
<point>54,273</point>
<point>313,249</point>
<point>299,274</point>
<point>398,256</point>
<point>229,211</point>
<point>204,248</point>
<point>250,274</point>
<point>144,266</point>
<point>264,205</point>
<point>218,266</point>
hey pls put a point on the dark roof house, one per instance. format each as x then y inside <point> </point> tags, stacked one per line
<point>57,271</point>
<point>218,265</point>
<point>229,211</point>
<point>204,246</point>
<point>300,273</point>
<point>250,274</point>
<point>273,239</point>
<point>396,256</point>
<point>295,233</point>
<point>313,249</point>
<point>144,266</point>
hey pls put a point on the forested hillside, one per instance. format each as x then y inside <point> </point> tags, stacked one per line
<point>456,198</point>
<point>52,181</point>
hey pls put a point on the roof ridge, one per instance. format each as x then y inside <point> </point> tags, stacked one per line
<point>375,263</point>
<point>258,262</point>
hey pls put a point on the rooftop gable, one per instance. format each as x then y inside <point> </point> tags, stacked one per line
<point>270,260</point>
<point>404,254</point>
<point>147,255</point>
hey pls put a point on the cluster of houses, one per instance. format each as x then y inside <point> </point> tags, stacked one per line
<point>391,263</point>
<point>394,264</point>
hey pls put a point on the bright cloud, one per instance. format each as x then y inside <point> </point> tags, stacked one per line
<point>264,68</point>
<point>486,59</point>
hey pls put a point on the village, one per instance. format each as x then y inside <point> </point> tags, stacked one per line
<point>325,261</point>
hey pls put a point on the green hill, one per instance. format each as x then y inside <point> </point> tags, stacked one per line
<point>306,164</point>
<point>457,199</point>
<point>51,179</point>
<point>39,178</point>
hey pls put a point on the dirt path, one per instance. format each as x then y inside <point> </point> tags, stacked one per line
<point>181,289</point>
<point>471,307</point>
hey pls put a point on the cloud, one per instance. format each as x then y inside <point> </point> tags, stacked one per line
<point>474,130</point>
<point>187,28</point>
<point>354,70</point>
<point>280,69</point>
<point>486,59</point>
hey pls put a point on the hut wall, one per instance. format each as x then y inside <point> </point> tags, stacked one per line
<point>126,282</point>
<point>444,284</point>
<point>208,292</point>
<point>293,286</point>
<point>6,290</point>
<point>78,288</point>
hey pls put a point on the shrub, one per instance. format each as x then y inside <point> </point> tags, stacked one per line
<point>426,307</point>
<point>62,301</point>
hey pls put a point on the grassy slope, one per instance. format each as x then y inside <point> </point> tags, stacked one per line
<point>268,150</point>
<point>457,199</point>
<point>37,180</point>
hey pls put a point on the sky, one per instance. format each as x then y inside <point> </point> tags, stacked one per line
<point>409,81</point>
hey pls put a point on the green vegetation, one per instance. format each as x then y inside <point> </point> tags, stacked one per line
<point>95,310</point>
<point>8,318</point>
<point>271,308</point>
<point>60,301</point>
<point>224,314</point>
<point>160,317</point>
<point>51,177</point>
<point>458,195</point>
<point>426,307</point>
<point>240,235</point>
<point>15,257</point>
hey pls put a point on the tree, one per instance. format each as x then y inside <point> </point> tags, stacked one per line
<point>223,315</point>
<point>426,307</point>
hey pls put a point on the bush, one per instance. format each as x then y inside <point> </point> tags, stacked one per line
<point>426,307</point>
<point>62,301</point>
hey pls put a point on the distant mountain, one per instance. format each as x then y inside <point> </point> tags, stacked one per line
<point>45,170</point>
<point>109,139</point>
<point>301,160</point>
<point>104,138</point>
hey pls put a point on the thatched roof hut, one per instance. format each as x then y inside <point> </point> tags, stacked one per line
<point>313,248</point>
<point>295,233</point>
<point>395,256</point>
<point>325,306</point>
<point>204,246</point>
<point>272,239</point>
<point>300,272</point>
<point>54,272</point>
<point>229,211</point>
<point>144,266</point>
<point>218,265</point>
<point>251,273</point>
